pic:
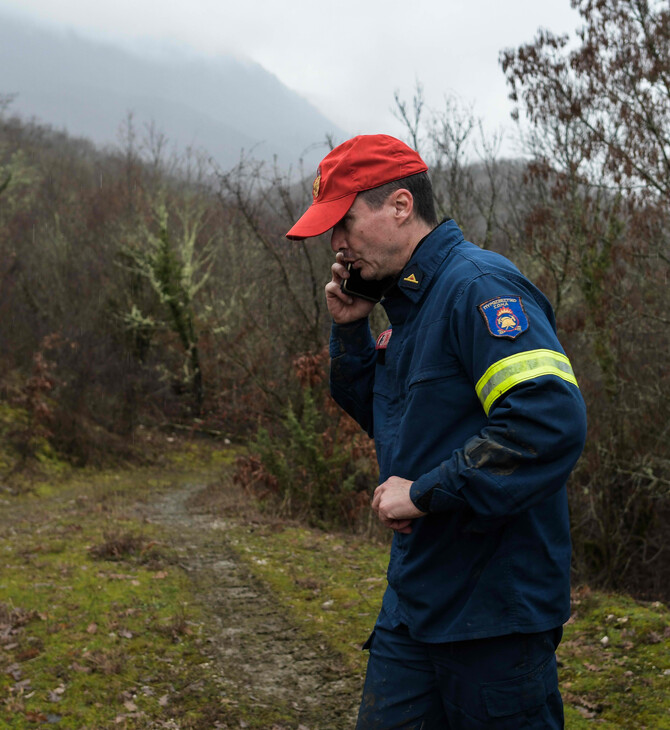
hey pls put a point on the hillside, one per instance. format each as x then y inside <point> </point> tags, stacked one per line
<point>220,105</point>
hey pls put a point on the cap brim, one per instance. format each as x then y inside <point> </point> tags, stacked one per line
<point>321,217</point>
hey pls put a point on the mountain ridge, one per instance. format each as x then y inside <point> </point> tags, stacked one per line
<point>222,106</point>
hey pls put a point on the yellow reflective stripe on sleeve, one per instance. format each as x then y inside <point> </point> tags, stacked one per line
<point>511,371</point>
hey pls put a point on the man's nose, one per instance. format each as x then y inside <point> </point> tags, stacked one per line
<point>337,239</point>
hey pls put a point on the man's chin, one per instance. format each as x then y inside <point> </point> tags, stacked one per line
<point>367,273</point>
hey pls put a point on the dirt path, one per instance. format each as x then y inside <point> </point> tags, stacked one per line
<point>256,651</point>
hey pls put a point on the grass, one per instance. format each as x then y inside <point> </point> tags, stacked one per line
<point>331,583</point>
<point>614,658</point>
<point>99,626</point>
<point>616,664</point>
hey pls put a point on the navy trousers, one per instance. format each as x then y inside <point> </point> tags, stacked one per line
<point>506,682</point>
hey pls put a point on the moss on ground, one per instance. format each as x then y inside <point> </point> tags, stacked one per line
<point>99,627</point>
<point>331,583</point>
<point>614,658</point>
<point>615,663</point>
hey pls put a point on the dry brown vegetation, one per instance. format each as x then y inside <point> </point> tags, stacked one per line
<point>142,290</point>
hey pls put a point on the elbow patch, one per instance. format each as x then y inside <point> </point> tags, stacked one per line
<point>488,453</point>
<point>510,371</point>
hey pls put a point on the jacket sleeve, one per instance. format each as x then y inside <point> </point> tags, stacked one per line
<point>536,417</point>
<point>352,370</point>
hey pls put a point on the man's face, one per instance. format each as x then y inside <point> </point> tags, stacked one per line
<point>367,237</point>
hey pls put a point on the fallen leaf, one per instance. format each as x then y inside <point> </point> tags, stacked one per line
<point>588,714</point>
<point>92,628</point>
<point>32,716</point>
<point>28,654</point>
<point>148,546</point>
<point>130,706</point>
<point>56,695</point>
<point>14,671</point>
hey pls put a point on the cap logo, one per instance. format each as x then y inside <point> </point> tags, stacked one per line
<point>317,184</point>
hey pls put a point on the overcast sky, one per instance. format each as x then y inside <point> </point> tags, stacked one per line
<point>347,57</point>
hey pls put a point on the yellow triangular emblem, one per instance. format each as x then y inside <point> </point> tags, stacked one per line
<point>412,279</point>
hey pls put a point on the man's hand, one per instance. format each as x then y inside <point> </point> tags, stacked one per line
<point>393,505</point>
<point>344,308</point>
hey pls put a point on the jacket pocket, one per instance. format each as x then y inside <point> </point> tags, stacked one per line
<point>430,374</point>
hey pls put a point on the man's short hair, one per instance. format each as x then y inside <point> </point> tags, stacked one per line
<point>422,192</point>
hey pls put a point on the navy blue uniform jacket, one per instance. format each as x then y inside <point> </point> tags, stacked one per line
<point>471,396</point>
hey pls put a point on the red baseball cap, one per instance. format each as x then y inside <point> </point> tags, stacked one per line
<point>361,163</point>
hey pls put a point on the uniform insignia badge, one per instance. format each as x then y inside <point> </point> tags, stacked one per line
<point>411,278</point>
<point>505,316</point>
<point>317,184</point>
<point>383,339</point>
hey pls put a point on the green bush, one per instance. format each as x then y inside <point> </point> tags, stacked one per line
<point>315,463</point>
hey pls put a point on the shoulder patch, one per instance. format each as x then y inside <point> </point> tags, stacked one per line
<point>505,316</point>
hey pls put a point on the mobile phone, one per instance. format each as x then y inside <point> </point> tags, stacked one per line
<point>371,289</point>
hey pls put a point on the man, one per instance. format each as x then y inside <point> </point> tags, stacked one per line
<point>478,421</point>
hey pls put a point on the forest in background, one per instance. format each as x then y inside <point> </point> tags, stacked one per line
<point>142,290</point>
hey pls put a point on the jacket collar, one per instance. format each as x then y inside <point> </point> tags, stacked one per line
<point>428,256</point>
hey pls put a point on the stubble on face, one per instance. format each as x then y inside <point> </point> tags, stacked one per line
<point>366,238</point>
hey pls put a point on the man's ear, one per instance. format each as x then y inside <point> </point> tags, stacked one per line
<point>403,204</point>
